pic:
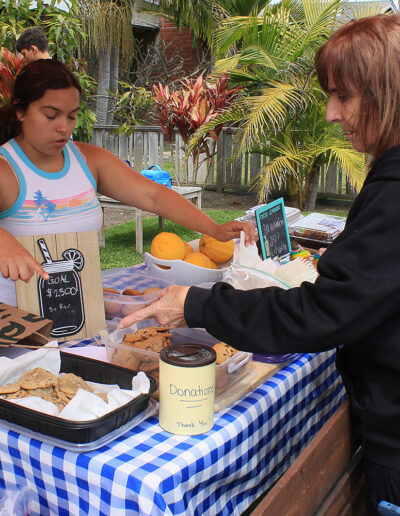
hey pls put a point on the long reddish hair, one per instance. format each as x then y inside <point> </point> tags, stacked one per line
<point>365,54</point>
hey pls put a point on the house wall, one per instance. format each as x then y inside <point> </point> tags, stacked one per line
<point>180,42</point>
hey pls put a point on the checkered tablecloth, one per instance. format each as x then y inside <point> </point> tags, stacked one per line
<point>148,471</point>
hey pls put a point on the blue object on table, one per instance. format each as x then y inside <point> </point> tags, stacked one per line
<point>388,509</point>
<point>275,359</point>
<point>157,174</point>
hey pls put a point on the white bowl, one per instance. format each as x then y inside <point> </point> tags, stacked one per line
<point>184,273</point>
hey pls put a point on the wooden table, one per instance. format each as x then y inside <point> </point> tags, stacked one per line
<point>190,192</point>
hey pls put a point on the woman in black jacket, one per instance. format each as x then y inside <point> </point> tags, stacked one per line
<point>355,303</point>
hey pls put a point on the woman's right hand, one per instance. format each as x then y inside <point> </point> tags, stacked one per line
<point>15,261</point>
<point>167,310</point>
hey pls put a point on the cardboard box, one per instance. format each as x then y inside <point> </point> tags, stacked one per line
<point>21,328</point>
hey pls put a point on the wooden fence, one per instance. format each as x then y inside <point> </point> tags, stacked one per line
<point>147,146</point>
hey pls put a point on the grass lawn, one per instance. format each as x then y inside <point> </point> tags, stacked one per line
<point>120,250</point>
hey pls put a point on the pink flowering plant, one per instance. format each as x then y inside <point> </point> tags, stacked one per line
<point>185,109</point>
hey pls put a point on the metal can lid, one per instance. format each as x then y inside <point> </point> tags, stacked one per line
<point>188,355</point>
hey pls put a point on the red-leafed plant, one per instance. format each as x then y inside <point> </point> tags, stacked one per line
<point>10,65</point>
<point>189,107</point>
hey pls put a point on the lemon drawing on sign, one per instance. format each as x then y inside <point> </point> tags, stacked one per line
<point>76,256</point>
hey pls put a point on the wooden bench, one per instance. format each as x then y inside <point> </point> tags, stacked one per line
<point>192,193</point>
<point>325,480</point>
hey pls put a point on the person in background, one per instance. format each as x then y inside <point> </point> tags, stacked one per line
<point>33,45</point>
<point>48,183</point>
<point>354,305</point>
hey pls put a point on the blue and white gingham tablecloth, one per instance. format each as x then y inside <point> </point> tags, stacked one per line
<point>148,471</point>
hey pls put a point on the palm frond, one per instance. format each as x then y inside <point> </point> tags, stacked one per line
<point>273,174</point>
<point>257,56</point>
<point>268,112</point>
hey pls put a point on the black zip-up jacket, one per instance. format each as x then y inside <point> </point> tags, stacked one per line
<point>354,305</point>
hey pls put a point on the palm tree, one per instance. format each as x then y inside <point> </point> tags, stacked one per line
<point>271,53</point>
<point>110,38</point>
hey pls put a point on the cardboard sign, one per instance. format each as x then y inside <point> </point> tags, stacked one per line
<point>273,231</point>
<point>72,297</point>
<point>21,328</point>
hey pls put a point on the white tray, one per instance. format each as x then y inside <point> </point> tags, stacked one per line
<point>184,273</point>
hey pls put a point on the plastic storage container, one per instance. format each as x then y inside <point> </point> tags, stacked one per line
<point>317,227</point>
<point>227,373</point>
<point>157,174</point>
<point>82,431</point>
<point>119,305</point>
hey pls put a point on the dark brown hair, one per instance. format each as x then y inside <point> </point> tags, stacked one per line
<point>30,85</point>
<point>365,54</point>
<point>33,36</point>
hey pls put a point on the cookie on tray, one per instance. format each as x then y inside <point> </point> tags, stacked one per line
<point>37,378</point>
<point>9,388</point>
<point>45,393</point>
<point>16,395</point>
<point>153,338</point>
<point>155,343</point>
<point>126,359</point>
<point>69,384</point>
<point>224,352</point>
<point>148,365</point>
<point>61,396</point>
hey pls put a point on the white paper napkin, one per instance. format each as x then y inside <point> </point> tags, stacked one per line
<point>248,256</point>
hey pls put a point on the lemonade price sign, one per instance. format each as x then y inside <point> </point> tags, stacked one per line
<point>272,230</point>
<point>60,296</point>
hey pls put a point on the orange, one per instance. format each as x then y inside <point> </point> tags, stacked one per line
<point>168,246</point>
<point>201,260</point>
<point>188,248</point>
<point>217,251</point>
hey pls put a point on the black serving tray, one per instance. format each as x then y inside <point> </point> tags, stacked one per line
<point>82,431</point>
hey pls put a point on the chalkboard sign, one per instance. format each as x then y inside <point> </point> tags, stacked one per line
<point>60,297</point>
<point>72,297</point>
<point>272,230</point>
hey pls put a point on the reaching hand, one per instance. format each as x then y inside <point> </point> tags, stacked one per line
<point>167,310</point>
<point>16,262</point>
<point>230,230</point>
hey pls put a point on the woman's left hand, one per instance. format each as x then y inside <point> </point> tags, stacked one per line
<point>230,230</point>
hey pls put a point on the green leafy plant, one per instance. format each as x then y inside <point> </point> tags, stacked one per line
<point>86,116</point>
<point>63,31</point>
<point>132,106</point>
<point>189,107</point>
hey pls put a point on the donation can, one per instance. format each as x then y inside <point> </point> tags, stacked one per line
<point>187,388</point>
